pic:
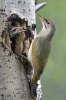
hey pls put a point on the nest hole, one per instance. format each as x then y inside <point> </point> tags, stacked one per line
<point>20,41</point>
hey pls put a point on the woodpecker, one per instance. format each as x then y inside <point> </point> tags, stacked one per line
<point>40,49</point>
<point>7,34</point>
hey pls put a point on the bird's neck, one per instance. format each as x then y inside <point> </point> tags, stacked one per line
<point>46,34</point>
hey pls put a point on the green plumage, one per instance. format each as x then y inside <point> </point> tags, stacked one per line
<point>40,53</point>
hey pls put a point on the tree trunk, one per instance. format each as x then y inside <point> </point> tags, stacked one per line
<point>13,81</point>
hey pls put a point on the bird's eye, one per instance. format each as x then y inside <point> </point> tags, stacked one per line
<point>48,22</point>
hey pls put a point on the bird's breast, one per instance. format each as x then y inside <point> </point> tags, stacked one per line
<point>40,50</point>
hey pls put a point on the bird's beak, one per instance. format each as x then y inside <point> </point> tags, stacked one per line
<point>41,18</point>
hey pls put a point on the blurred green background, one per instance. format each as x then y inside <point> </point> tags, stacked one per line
<point>54,76</point>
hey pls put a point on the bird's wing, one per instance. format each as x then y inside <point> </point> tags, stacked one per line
<point>40,53</point>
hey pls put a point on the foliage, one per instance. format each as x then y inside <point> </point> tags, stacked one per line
<point>54,76</point>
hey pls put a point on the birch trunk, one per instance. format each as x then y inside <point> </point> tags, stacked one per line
<point>13,81</point>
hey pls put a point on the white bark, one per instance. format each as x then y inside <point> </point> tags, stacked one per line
<point>39,6</point>
<point>13,81</point>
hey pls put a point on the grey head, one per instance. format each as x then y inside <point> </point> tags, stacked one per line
<point>48,29</point>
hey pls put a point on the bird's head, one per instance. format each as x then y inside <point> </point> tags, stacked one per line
<point>48,26</point>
